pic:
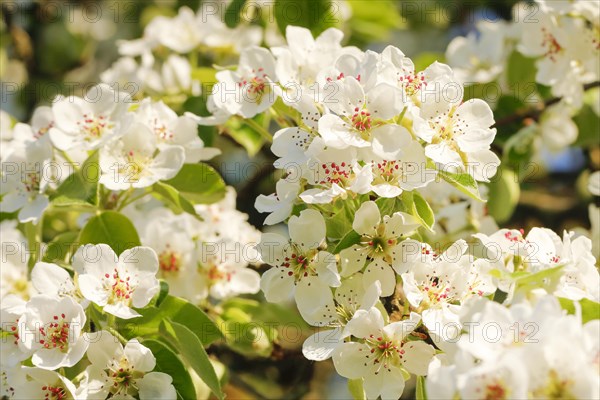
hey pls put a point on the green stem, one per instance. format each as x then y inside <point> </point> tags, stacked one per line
<point>69,159</point>
<point>260,129</point>
<point>128,200</point>
<point>33,232</point>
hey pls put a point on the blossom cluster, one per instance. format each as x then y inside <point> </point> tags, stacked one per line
<point>563,40</point>
<point>138,144</point>
<point>355,161</point>
<point>102,155</point>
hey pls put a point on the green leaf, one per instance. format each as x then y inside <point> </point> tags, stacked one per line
<point>199,183</point>
<point>590,310</point>
<point>245,135</point>
<point>355,387</point>
<point>588,123</point>
<point>422,210</point>
<point>503,195</point>
<point>61,248</point>
<point>518,149</point>
<point>340,223</point>
<point>112,228</point>
<point>425,59</point>
<point>178,310</point>
<point>316,15</point>
<point>388,206</point>
<point>173,198</point>
<point>192,351</point>
<point>348,240</point>
<point>170,364</point>
<point>463,182</point>
<point>232,14</point>
<point>547,279</point>
<point>80,188</point>
<point>520,72</point>
<point>421,394</point>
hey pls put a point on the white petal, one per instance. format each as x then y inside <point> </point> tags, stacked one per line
<point>320,345</point>
<point>367,218</point>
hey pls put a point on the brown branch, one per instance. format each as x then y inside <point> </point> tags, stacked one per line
<point>532,113</point>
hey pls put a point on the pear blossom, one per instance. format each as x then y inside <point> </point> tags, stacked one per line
<point>335,314</point>
<point>52,280</point>
<point>89,122</point>
<point>359,116</point>
<point>10,312</point>
<point>301,266</point>
<point>25,177</point>
<point>378,247</point>
<point>173,130</point>
<point>52,329</point>
<point>280,203</point>
<point>135,161</point>
<point>333,172</point>
<point>299,63</point>
<point>436,284</point>
<point>44,384</point>
<point>13,271</point>
<point>391,176</point>
<point>223,274</point>
<point>117,283</point>
<point>480,56</point>
<point>124,371</point>
<point>12,380</point>
<point>384,356</point>
<point>459,138</point>
<point>566,51</point>
<point>250,89</point>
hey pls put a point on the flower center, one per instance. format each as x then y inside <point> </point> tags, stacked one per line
<point>384,351</point>
<point>361,120</point>
<point>215,274</point>
<point>56,334</point>
<point>551,44</point>
<point>437,290</point>
<point>120,288</point>
<point>334,173</point>
<point>169,261</point>
<point>412,83</point>
<point>31,181</point>
<point>54,392</point>
<point>93,126</point>
<point>299,265</point>
<point>161,131</point>
<point>42,131</point>
<point>387,171</point>
<point>135,165</point>
<point>256,85</point>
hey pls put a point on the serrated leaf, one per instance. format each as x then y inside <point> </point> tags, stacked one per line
<point>178,310</point>
<point>173,198</point>
<point>61,247</point>
<point>170,364</point>
<point>348,240</point>
<point>355,387</point>
<point>112,228</point>
<point>463,182</point>
<point>422,210</point>
<point>316,15</point>
<point>232,14</point>
<point>199,183</point>
<point>80,188</point>
<point>590,310</point>
<point>192,352</point>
